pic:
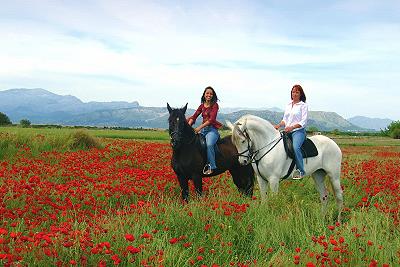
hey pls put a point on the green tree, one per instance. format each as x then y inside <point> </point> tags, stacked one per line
<point>312,129</point>
<point>393,130</point>
<point>336,132</point>
<point>4,119</point>
<point>25,123</point>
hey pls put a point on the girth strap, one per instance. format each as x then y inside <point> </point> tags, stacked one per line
<point>291,167</point>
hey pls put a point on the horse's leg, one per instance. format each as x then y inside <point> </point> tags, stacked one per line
<point>263,187</point>
<point>274,184</point>
<point>184,183</point>
<point>337,189</point>
<point>198,184</point>
<point>319,180</point>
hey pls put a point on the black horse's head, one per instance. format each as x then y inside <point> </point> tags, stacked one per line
<point>178,126</point>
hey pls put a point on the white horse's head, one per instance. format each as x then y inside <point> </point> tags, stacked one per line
<point>241,140</point>
<point>246,131</point>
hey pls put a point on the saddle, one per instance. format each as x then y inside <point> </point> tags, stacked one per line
<point>308,150</point>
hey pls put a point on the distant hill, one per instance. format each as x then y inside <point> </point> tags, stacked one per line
<point>370,123</point>
<point>40,105</point>
<point>230,110</point>
<point>43,107</point>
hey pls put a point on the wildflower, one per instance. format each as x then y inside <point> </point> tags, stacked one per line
<point>129,237</point>
<point>173,240</point>
<point>133,249</point>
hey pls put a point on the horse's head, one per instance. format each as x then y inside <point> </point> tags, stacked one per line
<point>242,141</point>
<point>177,124</point>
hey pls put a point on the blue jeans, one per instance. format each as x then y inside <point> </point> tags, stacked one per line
<point>298,139</point>
<point>211,134</point>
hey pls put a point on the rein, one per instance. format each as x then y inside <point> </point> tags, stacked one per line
<point>252,154</point>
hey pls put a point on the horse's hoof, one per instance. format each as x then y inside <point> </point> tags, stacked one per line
<point>185,199</point>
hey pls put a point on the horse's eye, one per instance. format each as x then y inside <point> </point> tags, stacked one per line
<point>243,141</point>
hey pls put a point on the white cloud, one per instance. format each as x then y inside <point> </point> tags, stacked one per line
<point>252,53</point>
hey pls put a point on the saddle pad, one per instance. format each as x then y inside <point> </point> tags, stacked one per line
<point>308,149</point>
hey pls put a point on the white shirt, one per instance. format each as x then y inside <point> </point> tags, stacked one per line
<point>296,114</point>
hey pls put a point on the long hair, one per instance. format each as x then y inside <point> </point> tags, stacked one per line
<point>302,94</point>
<point>214,99</point>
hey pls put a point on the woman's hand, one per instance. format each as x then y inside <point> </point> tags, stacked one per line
<point>289,129</point>
<point>197,130</point>
<point>277,126</point>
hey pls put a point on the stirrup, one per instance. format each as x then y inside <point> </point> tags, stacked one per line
<point>207,169</point>
<point>297,175</point>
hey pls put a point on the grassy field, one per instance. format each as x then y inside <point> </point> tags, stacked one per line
<point>105,133</point>
<point>119,204</point>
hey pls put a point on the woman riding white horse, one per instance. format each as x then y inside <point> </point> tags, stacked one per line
<point>260,144</point>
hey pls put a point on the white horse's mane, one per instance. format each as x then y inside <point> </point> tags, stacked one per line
<point>251,120</point>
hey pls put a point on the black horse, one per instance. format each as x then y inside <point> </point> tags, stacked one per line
<point>188,158</point>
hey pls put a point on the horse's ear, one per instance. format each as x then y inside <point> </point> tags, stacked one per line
<point>236,132</point>
<point>184,108</point>
<point>169,108</point>
<point>229,124</point>
<point>244,123</point>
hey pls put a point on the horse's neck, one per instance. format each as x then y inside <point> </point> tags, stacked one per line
<point>263,134</point>
<point>188,135</point>
<point>188,132</point>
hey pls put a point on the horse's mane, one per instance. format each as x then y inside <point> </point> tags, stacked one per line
<point>252,120</point>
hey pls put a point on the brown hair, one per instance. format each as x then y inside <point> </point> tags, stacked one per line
<point>214,99</point>
<point>302,94</point>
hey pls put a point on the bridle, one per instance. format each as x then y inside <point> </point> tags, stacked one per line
<point>177,136</point>
<point>252,154</point>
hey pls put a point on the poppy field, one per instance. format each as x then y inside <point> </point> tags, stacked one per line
<point>119,205</point>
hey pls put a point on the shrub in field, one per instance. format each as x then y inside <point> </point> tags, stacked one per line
<point>83,140</point>
<point>395,134</point>
<point>25,123</point>
<point>393,130</point>
<point>4,119</point>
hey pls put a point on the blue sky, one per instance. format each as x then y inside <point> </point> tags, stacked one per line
<point>345,54</point>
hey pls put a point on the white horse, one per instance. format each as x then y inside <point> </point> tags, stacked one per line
<point>259,143</point>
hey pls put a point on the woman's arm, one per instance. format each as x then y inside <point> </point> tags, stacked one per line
<point>192,119</point>
<point>279,125</point>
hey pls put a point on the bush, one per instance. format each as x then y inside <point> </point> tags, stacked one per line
<point>395,133</point>
<point>83,140</point>
<point>25,123</point>
<point>393,130</point>
<point>4,119</point>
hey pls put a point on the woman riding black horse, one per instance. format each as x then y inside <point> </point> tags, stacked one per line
<point>188,160</point>
<point>209,127</point>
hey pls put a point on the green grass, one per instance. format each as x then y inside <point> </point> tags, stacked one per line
<point>161,135</point>
<point>32,142</point>
<point>365,141</point>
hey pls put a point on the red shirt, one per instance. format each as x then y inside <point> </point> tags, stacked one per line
<point>208,114</point>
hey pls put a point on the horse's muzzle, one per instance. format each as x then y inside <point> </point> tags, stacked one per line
<point>244,160</point>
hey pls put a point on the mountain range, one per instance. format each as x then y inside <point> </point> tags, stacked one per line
<point>370,123</point>
<point>43,107</point>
